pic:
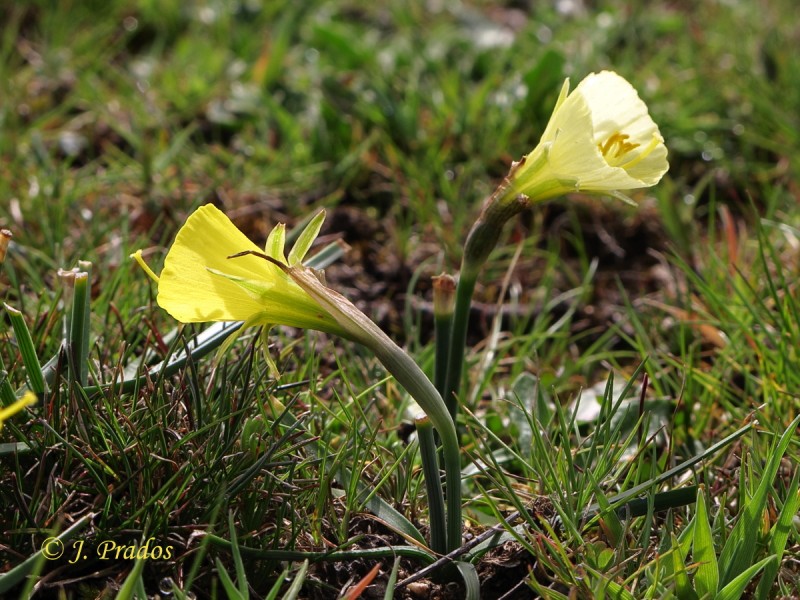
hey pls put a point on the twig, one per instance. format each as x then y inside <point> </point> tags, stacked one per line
<point>448,558</point>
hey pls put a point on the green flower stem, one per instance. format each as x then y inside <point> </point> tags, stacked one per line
<point>444,288</point>
<point>407,373</point>
<point>79,330</point>
<point>86,267</point>
<point>433,484</point>
<point>458,339</point>
<point>482,239</point>
<point>443,327</point>
<point>411,377</point>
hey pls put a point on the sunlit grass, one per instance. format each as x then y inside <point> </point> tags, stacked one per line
<point>400,118</point>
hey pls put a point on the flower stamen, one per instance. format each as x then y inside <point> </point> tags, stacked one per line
<point>616,146</point>
<point>654,142</point>
<point>137,256</point>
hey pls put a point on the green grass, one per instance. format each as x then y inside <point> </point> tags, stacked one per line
<point>117,119</point>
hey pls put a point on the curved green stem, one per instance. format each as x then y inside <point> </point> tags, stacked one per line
<point>433,484</point>
<point>407,373</point>
<point>458,339</point>
<point>443,326</point>
<point>410,376</point>
<point>444,291</point>
<point>482,239</point>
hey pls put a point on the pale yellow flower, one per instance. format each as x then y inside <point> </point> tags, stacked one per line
<point>213,272</point>
<point>15,407</point>
<point>600,140</point>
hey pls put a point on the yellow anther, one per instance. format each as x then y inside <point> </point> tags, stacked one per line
<point>618,143</point>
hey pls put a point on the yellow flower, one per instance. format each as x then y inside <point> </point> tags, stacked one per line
<point>600,139</point>
<point>213,272</point>
<point>15,407</point>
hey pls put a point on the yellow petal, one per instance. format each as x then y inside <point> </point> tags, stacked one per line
<point>599,139</point>
<point>200,282</point>
<point>189,291</point>
<point>15,407</point>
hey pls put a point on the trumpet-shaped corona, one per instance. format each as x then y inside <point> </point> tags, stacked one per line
<point>213,272</point>
<point>600,139</point>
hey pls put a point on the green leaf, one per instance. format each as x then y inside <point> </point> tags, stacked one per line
<point>472,585</point>
<point>11,578</point>
<point>276,588</point>
<point>297,585</point>
<point>27,350</point>
<point>779,534</point>
<point>7,395</point>
<point>617,591</point>
<point>683,587</point>
<point>734,589</point>
<point>133,586</point>
<point>706,578</point>
<point>670,473</point>
<point>227,582</point>
<point>241,575</point>
<point>327,256</point>
<point>390,585</point>
<point>739,550</point>
<point>14,448</point>
<point>306,238</point>
<point>610,521</point>
<point>661,501</point>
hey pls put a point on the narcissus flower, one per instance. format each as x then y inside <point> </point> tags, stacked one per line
<point>15,407</point>
<point>213,272</point>
<point>600,139</point>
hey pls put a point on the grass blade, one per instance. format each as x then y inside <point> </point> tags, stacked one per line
<point>740,547</point>
<point>670,473</point>
<point>683,586</point>
<point>133,587</point>
<point>734,589</point>
<point>390,585</point>
<point>11,578</point>
<point>27,351</point>
<point>706,578</point>
<point>227,582</point>
<point>241,575</point>
<point>778,537</point>
<point>276,588</point>
<point>297,585</point>
<point>472,585</point>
